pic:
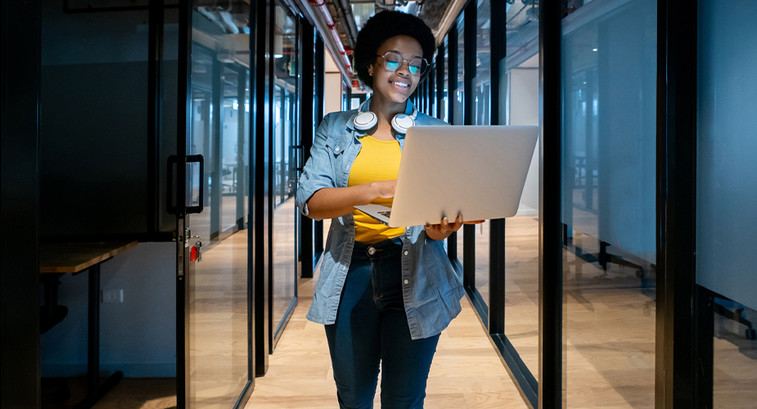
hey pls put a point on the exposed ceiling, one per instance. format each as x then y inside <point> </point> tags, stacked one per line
<point>341,20</point>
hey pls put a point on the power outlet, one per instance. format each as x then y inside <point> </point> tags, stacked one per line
<point>112,295</point>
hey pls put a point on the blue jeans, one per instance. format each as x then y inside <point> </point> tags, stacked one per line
<point>371,327</point>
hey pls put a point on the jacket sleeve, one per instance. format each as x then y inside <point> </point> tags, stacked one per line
<point>318,171</point>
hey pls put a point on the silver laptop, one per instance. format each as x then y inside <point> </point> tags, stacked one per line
<point>478,171</point>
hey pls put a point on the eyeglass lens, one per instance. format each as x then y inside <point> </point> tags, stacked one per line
<point>393,61</point>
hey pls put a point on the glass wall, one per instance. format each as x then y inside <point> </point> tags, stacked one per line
<point>458,103</point>
<point>444,86</point>
<point>285,138</point>
<point>726,189</point>
<point>94,144</point>
<point>608,208</point>
<point>431,110</point>
<point>519,105</point>
<point>482,116</point>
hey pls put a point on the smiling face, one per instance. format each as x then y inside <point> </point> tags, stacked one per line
<point>396,86</point>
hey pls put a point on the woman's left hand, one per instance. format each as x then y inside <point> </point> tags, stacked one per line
<point>442,230</point>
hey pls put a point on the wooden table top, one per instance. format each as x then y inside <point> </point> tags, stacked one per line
<point>74,257</point>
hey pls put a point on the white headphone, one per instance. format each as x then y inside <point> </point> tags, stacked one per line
<point>366,120</point>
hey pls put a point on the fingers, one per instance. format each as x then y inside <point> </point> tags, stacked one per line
<point>458,222</point>
<point>444,228</point>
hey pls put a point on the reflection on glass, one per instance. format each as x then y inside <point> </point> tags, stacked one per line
<point>235,111</point>
<point>522,19</point>
<point>218,283</point>
<point>458,110</point>
<point>726,170</point>
<point>609,157</point>
<point>362,12</point>
<point>432,78</point>
<point>734,377</point>
<point>482,76</point>
<point>482,116</point>
<point>285,137</point>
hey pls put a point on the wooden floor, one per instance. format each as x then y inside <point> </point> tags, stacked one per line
<point>608,333</point>
<point>466,372</point>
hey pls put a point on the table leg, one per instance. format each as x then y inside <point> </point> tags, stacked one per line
<point>93,336</point>
<point>95,390</point>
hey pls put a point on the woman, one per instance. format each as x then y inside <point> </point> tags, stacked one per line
<point>384,294</point>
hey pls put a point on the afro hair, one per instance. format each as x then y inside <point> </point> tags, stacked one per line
<point>383,26</point>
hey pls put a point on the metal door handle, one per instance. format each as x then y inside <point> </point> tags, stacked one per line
<point>201,199</point>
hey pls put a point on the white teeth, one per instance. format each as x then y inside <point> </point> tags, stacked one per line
<point>399,84</point>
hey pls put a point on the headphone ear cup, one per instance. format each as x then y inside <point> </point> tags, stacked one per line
<point>364,121</point>
<point>402,122</point>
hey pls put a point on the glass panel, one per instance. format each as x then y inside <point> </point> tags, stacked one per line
<point>609,157</point>
<point>235,112</point>
<point>432,79</point>
<point>519,105</point>
<point>285,137</point>
<point>445,84</point>
<point>522,31</point>
<point>362,12</point>
<point>458,109</point>
<point>482,116</point>
<point>217,301</point>
<point>93,122</point>
<point>726,170</point>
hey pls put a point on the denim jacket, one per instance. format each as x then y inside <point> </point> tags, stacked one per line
<point>431,289</point>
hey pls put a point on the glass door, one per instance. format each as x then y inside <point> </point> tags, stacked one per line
<point>213,249</point>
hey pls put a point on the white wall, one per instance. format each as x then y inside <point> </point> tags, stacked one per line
<point>332,101</point>
<point>138,336</point>
<point>524,110</point>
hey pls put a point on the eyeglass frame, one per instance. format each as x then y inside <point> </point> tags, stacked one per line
<point>405,62</point>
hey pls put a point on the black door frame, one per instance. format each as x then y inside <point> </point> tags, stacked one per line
<point>20,62</point>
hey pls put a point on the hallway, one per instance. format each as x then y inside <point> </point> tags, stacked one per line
<point>466,374</point>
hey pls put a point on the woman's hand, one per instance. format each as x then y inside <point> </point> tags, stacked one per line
<point>383,188</point>
<point>333,202</point>
<point>443,230</point>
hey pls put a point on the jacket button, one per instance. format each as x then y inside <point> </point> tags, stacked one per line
<point>406,281</point>
<point>337,149</point>
<point>406,252</point>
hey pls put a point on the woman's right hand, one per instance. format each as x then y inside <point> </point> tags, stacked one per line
<point>333,202</point>
<point>384,188</point>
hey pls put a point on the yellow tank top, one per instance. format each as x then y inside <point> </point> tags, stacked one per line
<point>377,160</point>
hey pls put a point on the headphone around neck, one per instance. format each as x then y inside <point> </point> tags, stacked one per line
<point>366,120</point>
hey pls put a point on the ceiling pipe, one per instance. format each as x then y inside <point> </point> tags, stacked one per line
<point>319,15</point>
<point>450,15</point>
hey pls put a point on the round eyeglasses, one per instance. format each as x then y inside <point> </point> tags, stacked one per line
<point>393,61</point>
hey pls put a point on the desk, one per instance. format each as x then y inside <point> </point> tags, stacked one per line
<point>57,259</point>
